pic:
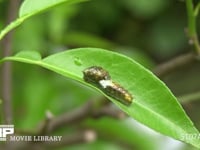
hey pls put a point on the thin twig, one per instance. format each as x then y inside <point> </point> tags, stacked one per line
<point>45,124</point>
<point>192,31</point>
<point>189,97</point>
<point>173,64</point>
<point>6,69</point>
<point>76,138</point>
<point>69,117</point>
<point>184,59</point>
<point>51,123</point>
<point>79,114</point>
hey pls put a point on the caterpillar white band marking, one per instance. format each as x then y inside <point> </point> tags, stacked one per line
<point>100,78</point>
<point>105,83</point>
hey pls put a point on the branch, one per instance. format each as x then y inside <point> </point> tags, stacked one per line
<point>173,64</point>
<point>184,59</point>
<point>67,118</point>
<point>192,32</point>
<point>6,69</point>
<point>85,111</point>
<point>189,97</point>
<point>52,123</point>
<point>77,138</point>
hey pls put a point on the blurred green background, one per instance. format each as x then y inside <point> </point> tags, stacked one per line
<point>151,32</point>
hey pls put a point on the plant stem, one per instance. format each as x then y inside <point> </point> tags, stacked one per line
<point>11,26</point>
<point>192,32</point>
<point>6,69</point>
<point>173,64</point>
<point>189,97</point>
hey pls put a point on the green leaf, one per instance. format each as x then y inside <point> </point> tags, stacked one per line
<point>87,40</point>
<point>146,9</point>
<point>154,105</point>
<point>30,8</point>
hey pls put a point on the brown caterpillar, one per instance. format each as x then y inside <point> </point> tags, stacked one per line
<point>99,77</point>
<point>94,74</point>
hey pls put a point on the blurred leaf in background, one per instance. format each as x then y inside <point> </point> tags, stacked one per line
<point>31,35</point>
<point>146,9</point>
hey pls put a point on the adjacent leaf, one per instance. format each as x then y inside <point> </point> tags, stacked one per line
<point>85,39</point>
<point>32,7</point>
<point>154,105</point>
<point>124,131</point>
<point>146,9</point>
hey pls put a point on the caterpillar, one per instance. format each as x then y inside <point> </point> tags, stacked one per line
<point>95,74</point>
<point>101,78</point>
